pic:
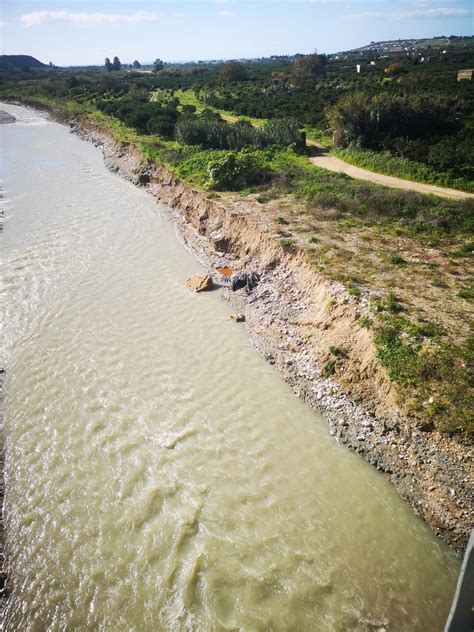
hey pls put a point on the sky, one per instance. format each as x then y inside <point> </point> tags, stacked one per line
<point>84,32</point>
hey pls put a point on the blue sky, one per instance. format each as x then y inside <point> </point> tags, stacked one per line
<point>84,32</point>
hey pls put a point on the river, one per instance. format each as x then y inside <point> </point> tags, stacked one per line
<point>160,474</point>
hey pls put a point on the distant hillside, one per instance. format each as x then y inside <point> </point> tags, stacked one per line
<point>20,61</point>
<point>412,45</point>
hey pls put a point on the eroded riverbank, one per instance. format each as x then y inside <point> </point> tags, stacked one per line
<point>159,474</point>
<point>290,324</point>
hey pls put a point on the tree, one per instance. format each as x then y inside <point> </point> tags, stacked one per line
<point>307,68</point>
<point>233,71</point>
<point>107,82</point>
<point>394,69</point>
<point>388,121</point>
<point>108,64</point>
<point>136,64</point>
<point>188,109</point>
<point>73,82</point>
<point>116,65</point>
<point>157,65</point>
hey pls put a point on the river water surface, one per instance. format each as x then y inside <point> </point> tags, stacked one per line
<point>160,475</point>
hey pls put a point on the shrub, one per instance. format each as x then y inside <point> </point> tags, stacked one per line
<point>393,304</point>
<point>338,352</point>
<point>287,242</point>
<point>235,171</point>
<point>368,121</point>
<point>214,133</point>
<point>329,368</point>
<point>396,260</point>
<point>353,291</point>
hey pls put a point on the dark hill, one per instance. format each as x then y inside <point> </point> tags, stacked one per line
<point>20,61</point>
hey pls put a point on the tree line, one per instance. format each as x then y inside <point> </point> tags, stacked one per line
<point>116,64</point>
<point>207,129</point>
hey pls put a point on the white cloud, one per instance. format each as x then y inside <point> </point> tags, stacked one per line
<point>404,15</point>
<point>87,19</point>
<point>226,14</point>
<point>2,23</point>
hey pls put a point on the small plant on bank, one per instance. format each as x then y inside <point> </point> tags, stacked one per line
<point>329,368</point>
<point>365,322</point>
<point>282,221</point>
<point>354,291</point>
<point>330,305</point>
<point>433,374</point>
<point>312,240</point>
<point>438,282</point>
<point>396,260</point>
<point>467,294</point>
<point>338,352</point>
<point>287,242</point>
<point>393,304</point>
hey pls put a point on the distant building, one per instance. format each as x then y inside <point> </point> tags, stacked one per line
<point>427,60</point>
<point>366,67</point>
<point>465,74</point>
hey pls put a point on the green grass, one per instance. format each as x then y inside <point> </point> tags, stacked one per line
<point>433,374</point>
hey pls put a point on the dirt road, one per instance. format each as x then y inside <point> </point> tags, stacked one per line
<point>327,161</point>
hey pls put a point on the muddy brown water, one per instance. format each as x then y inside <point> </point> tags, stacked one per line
<point>160,475</point>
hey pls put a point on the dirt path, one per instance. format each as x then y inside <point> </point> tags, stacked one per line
<point>327,161</point>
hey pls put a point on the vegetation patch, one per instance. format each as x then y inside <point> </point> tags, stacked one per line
<point>287,242</point>
<point>434,375</point>
<point>329,368</point>
<point>338,352</point>
<point>365,321</point>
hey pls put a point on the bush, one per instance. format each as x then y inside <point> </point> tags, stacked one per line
<point>214,133</point>
<point>329,368</point>
<point>234,171</point>
<point>371,122</point>
<point>140,114</point>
